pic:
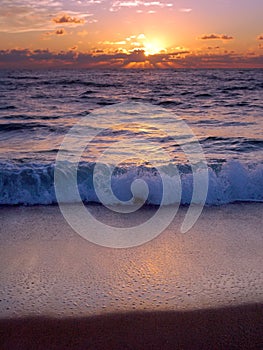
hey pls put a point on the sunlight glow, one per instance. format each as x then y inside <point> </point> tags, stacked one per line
<point>153,47</point>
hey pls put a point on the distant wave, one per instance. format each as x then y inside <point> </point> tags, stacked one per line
<point>33,184</point>
<point>4,127</point>
<point>80,82</point>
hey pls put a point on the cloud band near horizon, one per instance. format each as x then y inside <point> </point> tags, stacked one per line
<point>136,59</point>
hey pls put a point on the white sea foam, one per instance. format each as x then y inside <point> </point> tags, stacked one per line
<point>34,184</point>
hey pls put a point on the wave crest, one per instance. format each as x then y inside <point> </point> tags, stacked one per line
<point>33,184</point>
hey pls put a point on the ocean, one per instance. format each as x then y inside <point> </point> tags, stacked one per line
<point>168,153</point>
<point>222,108</point>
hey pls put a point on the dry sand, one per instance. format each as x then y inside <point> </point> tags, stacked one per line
<point>199,290</point>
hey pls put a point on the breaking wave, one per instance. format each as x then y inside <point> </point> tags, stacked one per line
<point>33,184</point>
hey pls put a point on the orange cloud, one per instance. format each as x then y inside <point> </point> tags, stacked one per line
<point>216,37</point>
<point>68,19</point>
<point>260,37</point>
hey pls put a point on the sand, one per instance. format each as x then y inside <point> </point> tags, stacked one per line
<point>199,290</point>
<point>223,328</point>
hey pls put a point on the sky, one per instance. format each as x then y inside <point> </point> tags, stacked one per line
<point>131,33</point>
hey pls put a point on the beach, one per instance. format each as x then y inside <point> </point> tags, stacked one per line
<point>201,289</point>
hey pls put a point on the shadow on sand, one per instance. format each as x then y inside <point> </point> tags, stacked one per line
<point>238,327</point>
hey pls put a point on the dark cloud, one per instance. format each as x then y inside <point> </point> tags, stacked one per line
<point>60,31</point>
<point>226,37</point>
<point>9,57</point>
<point>184,59</point>
<point>226,60</point>
<point>260,37</point>
<point>216,37</point>
<point>68,19</point>
<point>98,51</point>
<point>136,56</point>
<point>26,58</point>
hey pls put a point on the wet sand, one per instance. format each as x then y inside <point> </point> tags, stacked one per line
<point>199,290</point>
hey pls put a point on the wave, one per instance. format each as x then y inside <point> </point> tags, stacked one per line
<point>241,143</point>
<point>81,82</point>
<point>20,126</point>
<point>203,95</point>
<point>33,184</point>
<point>237,87</point>
<point>7,127</point>
<point>169,103</point>
<point>7,107</point>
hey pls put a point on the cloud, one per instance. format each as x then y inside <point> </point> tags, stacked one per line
<point>122,42</point>
<point>68,19</point>
<point>216,37</point>
<point>18,16</point>
<point>118,4</point>
<point>36,58</point>
<point>227,37</point>
<point>129,42</point>
<point>260,37</point>
<point>213,47</point>
<point>90,2</point>
<point>51,4</point>
<point>27,15</point>
<point>226,60</point>
<point>60,31</point>
<point>186,10</point>
<point>141,36</point>
<point>136,58</point>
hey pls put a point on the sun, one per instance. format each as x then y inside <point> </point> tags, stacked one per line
<point>153,47</point>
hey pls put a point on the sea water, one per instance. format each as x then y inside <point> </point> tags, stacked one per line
<point>223,108</point>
